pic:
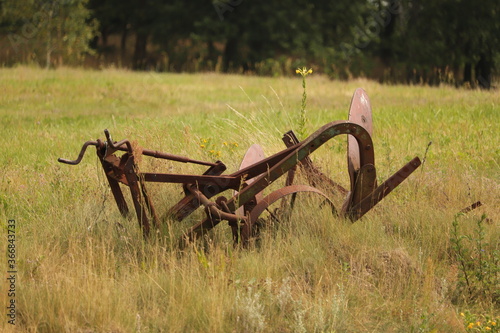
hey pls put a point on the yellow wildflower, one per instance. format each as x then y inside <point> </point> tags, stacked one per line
<point>304,71</point>
<point>471,325</point>
<point>235,144</point>
<point>224,143</point>
<point>493,323</point>
<point>478,323</point>
<point>488,328</point>
<point>462,314</point>
<point>202,146</point>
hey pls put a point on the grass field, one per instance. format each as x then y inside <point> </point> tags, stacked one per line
<point>405,267</point>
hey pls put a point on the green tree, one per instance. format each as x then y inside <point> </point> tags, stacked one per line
<point>258,31</point>
<point>114,17</point>
<point>51,32</point>
<point>455,35</point>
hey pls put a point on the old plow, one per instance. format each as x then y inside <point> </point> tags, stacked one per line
<point>245,202</point>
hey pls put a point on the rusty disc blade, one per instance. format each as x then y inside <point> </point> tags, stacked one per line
<point>360,112</point>
<point>253,155</point>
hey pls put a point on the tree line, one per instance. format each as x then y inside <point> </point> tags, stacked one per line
<point>412,41</point>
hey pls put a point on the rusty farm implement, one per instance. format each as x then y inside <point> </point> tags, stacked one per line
<point>246,203</point>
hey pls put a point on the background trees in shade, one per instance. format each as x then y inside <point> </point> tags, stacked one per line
<point>454,41</point>
<point>50,32</point>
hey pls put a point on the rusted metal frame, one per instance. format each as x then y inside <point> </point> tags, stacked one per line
<point>190,203</point>
<point>290,205</point>
<point>112,167</point>
<point>214,212</point>
<point>170,157</point>
<point>213,184</point>
<point>290,139</point>
<point>116,172</point>
<point>215,170</point>
<point>113,183</point>
<point>312,172</point>
<point>264,165</point>
<point>125,145</point>
<point>233,222</point>
<point>365,182</point>
<point>290,176</point>
<point>124,167</point>
<point>307,147</point>
<point>118,196</point>
<point>214,216</point>
<point>198,229</point>
<point>361,208</point>
<point>149,203</point>
<point>135,192</point>
<point>301,151</point>
<point>222,182</point>
<point>231,181</point>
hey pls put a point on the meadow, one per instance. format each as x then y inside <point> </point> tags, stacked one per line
<point>412,264</point>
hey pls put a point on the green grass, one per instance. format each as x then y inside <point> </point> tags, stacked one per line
<point>84,268</point>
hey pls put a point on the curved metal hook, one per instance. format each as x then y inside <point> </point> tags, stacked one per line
<point>80,156</point>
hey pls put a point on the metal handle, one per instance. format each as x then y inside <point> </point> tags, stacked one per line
<point>114,146</point>
<point>80,156</point>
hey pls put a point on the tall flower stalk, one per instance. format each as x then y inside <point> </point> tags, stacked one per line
<point>303,117</point>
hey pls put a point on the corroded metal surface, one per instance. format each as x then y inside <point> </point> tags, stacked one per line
<point>360,112</point>
<point>253,155</point>
<point>363,179</point>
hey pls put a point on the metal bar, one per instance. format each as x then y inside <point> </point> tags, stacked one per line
<point>172,157</point>
<point>190,203</point>
<point>118,195</point>
<point>313,173</point>
<point>152,153</point>
<point>113,183</point>
<point>220,183</point>
<point>357,211</point>
<point>264,165</point>
<point>213,209</point>
<point>149,204</point>
<point>133,183</point>
<point>365,183</point>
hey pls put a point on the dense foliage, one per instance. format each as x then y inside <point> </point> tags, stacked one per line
<point>454,41</point>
